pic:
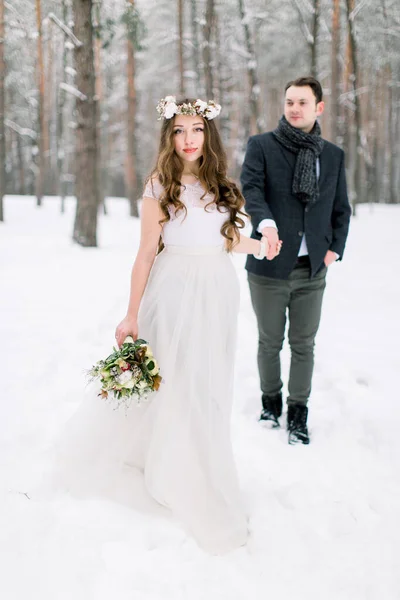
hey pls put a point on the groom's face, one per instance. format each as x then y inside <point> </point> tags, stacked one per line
<point>301,107</point>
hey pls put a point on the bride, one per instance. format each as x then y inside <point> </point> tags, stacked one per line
<point>184,301</point>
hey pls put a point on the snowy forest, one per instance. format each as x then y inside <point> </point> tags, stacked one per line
<point>79,133</point>
<point>79,81</point>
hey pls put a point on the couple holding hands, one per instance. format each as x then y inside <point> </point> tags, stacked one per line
<point>184,297</point>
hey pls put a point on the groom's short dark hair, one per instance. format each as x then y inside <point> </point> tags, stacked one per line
<point>312,82</point>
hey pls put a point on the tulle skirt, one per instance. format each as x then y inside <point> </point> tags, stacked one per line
<point>180,439</point>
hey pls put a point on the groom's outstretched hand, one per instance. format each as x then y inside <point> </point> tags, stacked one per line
<point>274,243</point>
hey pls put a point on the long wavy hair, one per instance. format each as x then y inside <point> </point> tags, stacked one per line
<point>212,175</point>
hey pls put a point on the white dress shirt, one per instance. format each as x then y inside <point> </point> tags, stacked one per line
<point>303,250</point>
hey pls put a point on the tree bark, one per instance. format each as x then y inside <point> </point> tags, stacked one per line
<point>392,117</point>
<point>393,192</point>
<point>50,158</point>
<point>346,113</point>
<point>99,103</point>
<point>196,47</point>
<point>314,45</point>
<point>42,134</point>
<point>381,136</point>
<point>20,163</point>
<point>335,74</point>
<point>256,123</point>
<point>131,179</point>
<point>395,180</point>
<point>371,164</point>
<point>61,133</point>
<point>2,110</point>
<point>208,30</point>
<point>86,132</point>
<point>180,50</point>
<point>219,88</point>
<point>357,110</point>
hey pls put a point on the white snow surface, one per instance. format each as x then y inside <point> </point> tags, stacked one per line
<point>324,518</point>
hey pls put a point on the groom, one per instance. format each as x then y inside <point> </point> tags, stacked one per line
<point>294,185</point>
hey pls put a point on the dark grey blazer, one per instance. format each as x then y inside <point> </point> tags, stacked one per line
<point>266,179</point>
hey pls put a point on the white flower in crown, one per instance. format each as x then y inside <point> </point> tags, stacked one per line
<point>212,110</point>
<point>167,108</point>
<point>170,108</point>
<point>186,109</point>
<point>200,105</point>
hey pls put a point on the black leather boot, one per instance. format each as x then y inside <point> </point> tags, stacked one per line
<point>297,424</point>
<point>272,409</point>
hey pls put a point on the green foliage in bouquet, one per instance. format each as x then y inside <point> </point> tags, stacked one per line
<point>129,372</point>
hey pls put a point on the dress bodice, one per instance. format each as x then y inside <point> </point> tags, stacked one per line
<point>199,227</point>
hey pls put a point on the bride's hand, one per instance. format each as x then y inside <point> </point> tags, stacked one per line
<point>128,326</point>
<point>275,249</point>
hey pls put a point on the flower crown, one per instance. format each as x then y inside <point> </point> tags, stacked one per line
<point>167,108</point>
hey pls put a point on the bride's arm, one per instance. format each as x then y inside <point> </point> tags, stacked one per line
<point>248,245</point>
<point>150,232</point>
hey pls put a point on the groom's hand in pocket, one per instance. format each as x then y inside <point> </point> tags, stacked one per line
<point>330,257</point>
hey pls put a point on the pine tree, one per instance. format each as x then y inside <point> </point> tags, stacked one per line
<point>86,128</point>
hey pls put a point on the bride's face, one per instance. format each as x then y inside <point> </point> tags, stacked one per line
<point>188,135</point>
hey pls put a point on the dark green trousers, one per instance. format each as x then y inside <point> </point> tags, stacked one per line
<point>300,299</point>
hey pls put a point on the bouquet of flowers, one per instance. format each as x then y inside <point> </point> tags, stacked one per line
<point>129,373</point>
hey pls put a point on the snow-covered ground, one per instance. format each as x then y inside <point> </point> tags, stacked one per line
<point>325,519</point>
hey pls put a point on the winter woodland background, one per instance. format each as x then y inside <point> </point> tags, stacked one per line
<point>79,80</point>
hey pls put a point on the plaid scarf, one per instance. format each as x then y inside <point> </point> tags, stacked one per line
<point>307,147</point>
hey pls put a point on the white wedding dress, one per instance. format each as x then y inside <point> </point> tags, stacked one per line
<point>181,439</point>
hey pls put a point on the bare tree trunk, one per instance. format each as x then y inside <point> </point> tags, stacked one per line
<point>335,71</point>
<point>357,109</point>
<point>347,120</point>
<point>99,100</point>
<point>386,133</point>
<point>395,181</point>
<point>304,24</point>
<point>86,132</point>
<point>208,29</point>
<point>373,187</point>
<point>196,47</point>
<point>223,86</point>
<point>346,112</point>
<point>50,167</point>
<point>371,138</point>
<point>381,136</point>
<point>180,50</point>
<point>61,134</point>
<point>314,45</point>
<point>2,108</point>
<point>131,180</point>
<point>392,117</point>
<point>41,109</point>
<point>219,92</point>
<point>256,123</point>
<point>20,163</point>
<point>393,195</point>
